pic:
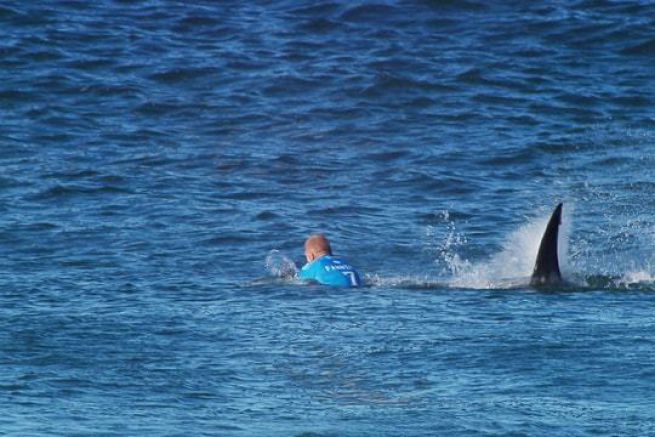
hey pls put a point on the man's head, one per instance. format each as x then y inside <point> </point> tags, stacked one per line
<point>317,246</point>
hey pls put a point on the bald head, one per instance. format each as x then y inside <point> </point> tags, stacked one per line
<point>317,246</point>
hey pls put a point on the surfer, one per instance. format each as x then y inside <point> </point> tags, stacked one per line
<point>325,268</point>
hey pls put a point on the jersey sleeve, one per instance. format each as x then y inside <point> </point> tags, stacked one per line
<point>309,271</point>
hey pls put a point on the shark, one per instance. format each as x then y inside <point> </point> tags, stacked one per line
<point>546,271</point>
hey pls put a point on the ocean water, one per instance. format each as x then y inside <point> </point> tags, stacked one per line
<point>162,162</point>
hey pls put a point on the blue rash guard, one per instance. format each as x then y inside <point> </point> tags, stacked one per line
<point>331,270</point>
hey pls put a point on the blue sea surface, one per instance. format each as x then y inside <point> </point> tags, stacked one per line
<point>162,162</point>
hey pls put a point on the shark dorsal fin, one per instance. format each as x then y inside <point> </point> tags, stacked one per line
<point>546,269</point>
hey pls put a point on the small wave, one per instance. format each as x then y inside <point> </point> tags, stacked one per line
<point>177,75</point>
<point>645,48</point>
<point>157,108</point>
<point>632,101</point>
<point>266,215</point>
<point>371,13</point>
<point>320,9</point>
<point>387,156</point>
<point>9,182</point>
<point>72,174</point>
<point>91,64</point>
<point>319,25</point>
<point>407,282</point>
<point>287,85</point>
<point>7,12</point>
<point>346,210</point>
<point>249,195</point>
<point>271,280</point>
<point>473,76</point>
<point>194,21</point>
<point>66,191</point>
<point>459,5</point>
<point>10,96</point>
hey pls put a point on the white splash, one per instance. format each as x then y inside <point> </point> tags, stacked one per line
<point>513,265</point>
<point>637,276</point>
<point>280,265</point>
<point>640,276</point>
